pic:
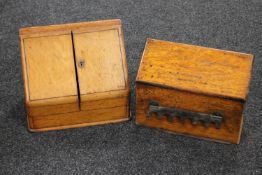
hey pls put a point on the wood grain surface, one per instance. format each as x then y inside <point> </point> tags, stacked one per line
<point>196,79</point>
<point>196,69</point>
<point>103,67</point>
<point>50,67</point>
<point>78,119</point>
<point>62,93</point>
<point>58,29</point>
<point>230,128</point>
<point>104,103</point>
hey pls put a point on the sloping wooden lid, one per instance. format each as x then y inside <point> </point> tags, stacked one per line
<point>104,71</point>
<point>51,57</point>
<point>196,69</point>
<point>49,70</point>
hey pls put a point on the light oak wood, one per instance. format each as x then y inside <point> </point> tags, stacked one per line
<point>105,95</point>
<point>103,65</point>
<point>80,125</point>
<point>105,103</point>
<point>50,73</point>
<point>101,116</point>
<point>50,67</point>
<point>67,28</point>
<point>196,79</point>
<point>55,84</point>
<point>53,109</point>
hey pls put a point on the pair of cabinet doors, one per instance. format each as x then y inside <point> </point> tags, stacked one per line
<point>71,68</point>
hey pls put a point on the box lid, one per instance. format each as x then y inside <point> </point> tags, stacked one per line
<point>196,69</point>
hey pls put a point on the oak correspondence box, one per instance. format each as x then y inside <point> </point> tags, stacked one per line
<point>193,90</point>
<point>74,75</point>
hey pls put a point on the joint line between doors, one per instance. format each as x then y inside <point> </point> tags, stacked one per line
<point>77,80</point>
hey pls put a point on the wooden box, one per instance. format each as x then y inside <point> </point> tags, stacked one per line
<point>192,90</point>
<point>74,75</point>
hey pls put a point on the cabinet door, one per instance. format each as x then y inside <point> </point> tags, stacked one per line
<point>99,62</point>
<point>50,70</point>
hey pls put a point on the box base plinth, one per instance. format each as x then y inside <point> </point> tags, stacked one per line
<point>78,119</point>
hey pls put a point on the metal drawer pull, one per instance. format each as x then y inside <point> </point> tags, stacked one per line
<point>170,113</point>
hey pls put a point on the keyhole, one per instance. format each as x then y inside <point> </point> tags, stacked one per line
<point>81,63</point>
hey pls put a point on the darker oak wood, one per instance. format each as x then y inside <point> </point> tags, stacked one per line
<point>196,79</point>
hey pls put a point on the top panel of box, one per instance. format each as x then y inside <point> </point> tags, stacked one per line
<point>196,69</point>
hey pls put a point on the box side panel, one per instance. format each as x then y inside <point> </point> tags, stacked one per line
<point>93,112</point>
<point>231,125</point>
<point>52,109</point>
<point>104,103</point>
<point>79,119</point>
